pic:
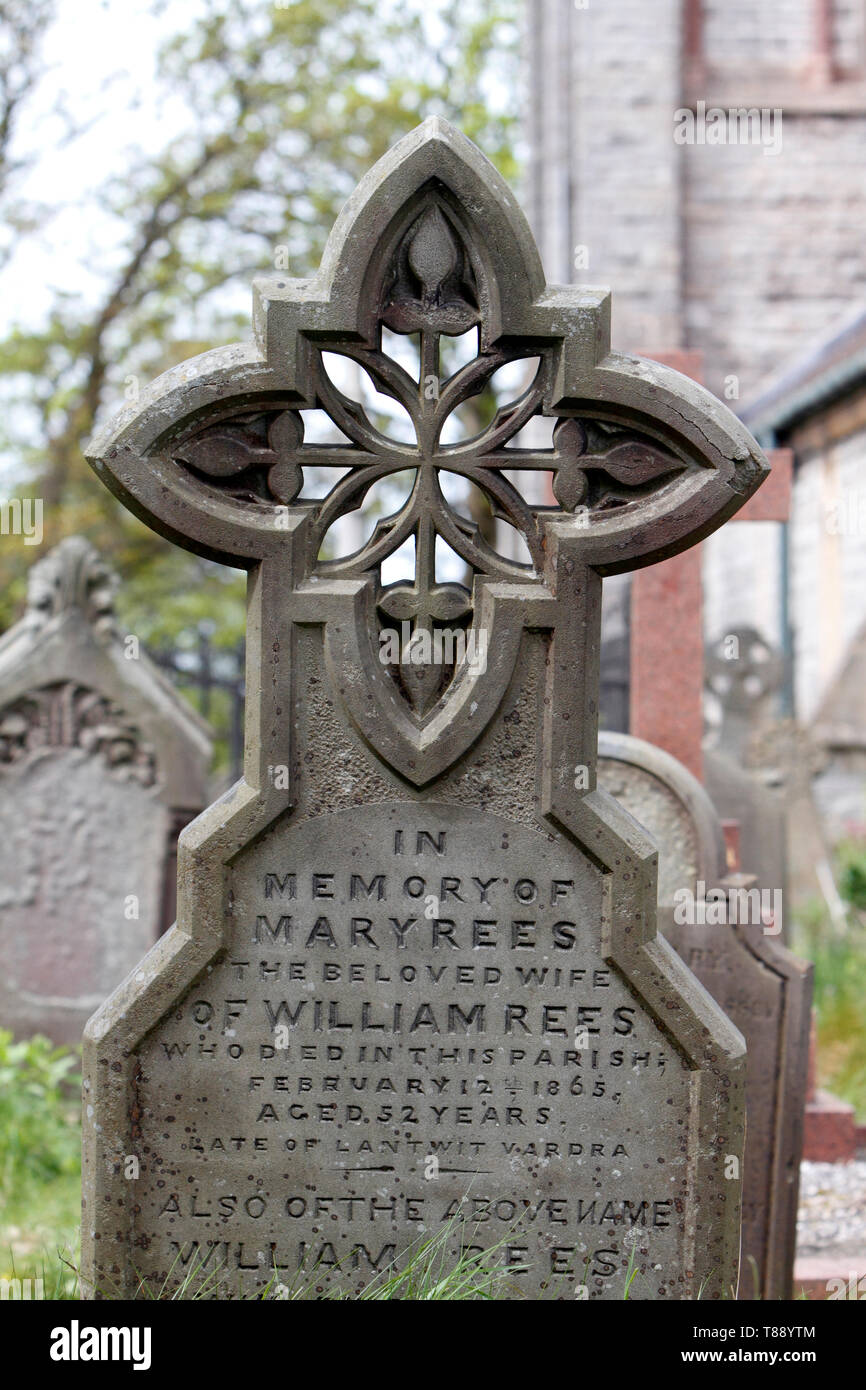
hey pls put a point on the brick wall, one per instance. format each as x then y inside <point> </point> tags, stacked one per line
<point>741,571</point>
<point>735,31</point>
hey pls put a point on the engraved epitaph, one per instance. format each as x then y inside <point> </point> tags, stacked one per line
<point>411,932</point>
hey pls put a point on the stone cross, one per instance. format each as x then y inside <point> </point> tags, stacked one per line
<point>762,772</point>
<point>744,672</point>
<point>415,985</point>
<point>101,766</point>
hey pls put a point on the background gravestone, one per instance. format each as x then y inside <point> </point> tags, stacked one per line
<point>101,764</point>
<point>762,771</point>
<point>759,984</point>
<point>415,976</point>
<point>745,674</point>
<point>744,686</point>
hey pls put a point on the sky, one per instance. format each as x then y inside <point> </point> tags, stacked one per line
<point>99,59</point>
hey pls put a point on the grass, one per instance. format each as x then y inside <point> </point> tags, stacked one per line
<point>437,1268</point>
<point>429,1271</point>
<point>840,981</point>
<point>40,1163</point>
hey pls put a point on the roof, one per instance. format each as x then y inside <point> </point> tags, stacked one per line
<point>815,379</point>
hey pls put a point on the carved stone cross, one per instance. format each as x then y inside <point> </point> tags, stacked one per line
<point>743,671</point>
<point>415,985</point>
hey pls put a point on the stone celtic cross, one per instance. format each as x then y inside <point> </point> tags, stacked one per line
<point>415,984</point>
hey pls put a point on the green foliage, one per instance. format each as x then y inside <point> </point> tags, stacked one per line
<point>23,24</point>
<point>852,877</point>
<point>40,1162</point>
<point>50,1273</point>
<point>840,987</point>
<point>431,1272</point>
<point>40,1137</point>
<point>285,109</point>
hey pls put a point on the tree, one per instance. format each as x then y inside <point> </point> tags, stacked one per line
<point>23,24</point>
<point>287,107</point>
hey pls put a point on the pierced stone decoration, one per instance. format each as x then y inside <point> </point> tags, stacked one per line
<point>436,281</point>
<point>366,766</point>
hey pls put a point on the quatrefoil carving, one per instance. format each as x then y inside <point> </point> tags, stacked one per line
<point>431,247</point>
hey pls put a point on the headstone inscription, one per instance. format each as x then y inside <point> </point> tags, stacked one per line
<point>415,974</point>
<point>101,765</point>
<point>764,989</point>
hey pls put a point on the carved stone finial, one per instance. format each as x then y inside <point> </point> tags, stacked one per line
<point>72,575</point>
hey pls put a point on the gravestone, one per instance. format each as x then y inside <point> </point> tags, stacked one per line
<point>764,989</point>
<point>743,673</point>
<point>101,765</point>
<point>415,977</point>
<point>763,770</point>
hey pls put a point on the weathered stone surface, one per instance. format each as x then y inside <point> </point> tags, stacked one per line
<point>416,900</point>
<point>100,765</point>
<point>759,984</point>
<point>763,769</point>
<point>742,796</point>
<point>671,803</point>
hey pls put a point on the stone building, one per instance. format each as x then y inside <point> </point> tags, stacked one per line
<point>705,159</point>
<point>818,408</point>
